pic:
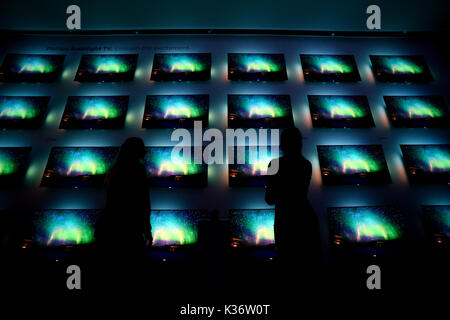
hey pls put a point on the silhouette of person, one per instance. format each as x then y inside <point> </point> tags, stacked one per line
<point>123,229</point>
<point>296,227</point>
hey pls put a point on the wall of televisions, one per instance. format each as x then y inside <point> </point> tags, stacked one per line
<point>372,111</point>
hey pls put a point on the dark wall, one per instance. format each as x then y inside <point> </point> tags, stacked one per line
<point>349,15</point>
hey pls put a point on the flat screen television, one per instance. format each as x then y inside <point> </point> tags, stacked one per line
<point>252,227</point>
<point>251,169</point>
<point>365,226</point>
<point>165,171</point>
<point>427,163</point>
<point>340,111</point>
<point>256,67</point>
<point>329,68</point>
<point>22,112</point>
<point>417,111</point>
<point>78,166</point>
<point>436,220</point>
<point>181,67</point>
<point>353,164</point>
<point>259,111</point>
<point>94,112</point>
<point>400,68</point>
<point>175,111</point>
<point>14,163</point>
<point>106,68</point>
<point>31,67</point>
<point>63,227</point>
<point>175,227</point>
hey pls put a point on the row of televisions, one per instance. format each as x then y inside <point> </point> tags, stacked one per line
<point>339,164</point>
<point>244,111</point>
<point>197,67</point>
<point>252,227</point>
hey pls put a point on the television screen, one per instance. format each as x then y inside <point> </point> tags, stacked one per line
<point>14,163</point>
<point>249,168</point>
<point>259,111</point>
<point>167,171</point>
<point>181,67</point>
<point>365,224</point>
<point>436,221</point>
<point>106,68</point>
<point>353,164</point>
<point>22,112</point>
<point>427,163</point>
<point>64,227</point>
<point>390,68</point>
<point>175,227</point>
<point>175,111</point>
<point>417,111</point>
<point>340,111</point>
<point>253,227</point>
<point>256,67</point>
<point>31,67</point>
<point>78,166</point>
<point>95,112</point>
<point>329,68</point>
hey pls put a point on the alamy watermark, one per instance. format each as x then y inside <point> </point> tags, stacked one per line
<point>248,146</point>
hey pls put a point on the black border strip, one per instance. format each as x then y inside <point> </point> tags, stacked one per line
<point>417,34</point>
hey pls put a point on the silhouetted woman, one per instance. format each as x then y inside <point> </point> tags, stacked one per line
<point>296,227</point>
<point>125,222</point>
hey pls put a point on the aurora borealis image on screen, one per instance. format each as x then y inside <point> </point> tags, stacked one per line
<point>329,68</point>
<point>252,227</point>
<point>94,112</point>
<point>106,68</point>
<point>259,111</point>
<point>366,224</point>
<point>256,67</point>
<point>417,111</point>
<point>427,163</point>
<point>181,67</point>
<point>64,227</point>
<point>31,67</point>
<point>175,111</point>
<point>174,227</point>
<point>22,112</point>
<point>78,166</point>
<point>168,171</point>
<point>340,111</point>
<point>353,164</point>
<point>396,68</point>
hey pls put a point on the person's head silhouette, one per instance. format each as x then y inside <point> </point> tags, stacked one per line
<point>291,142</point>
<point>133,149</point>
